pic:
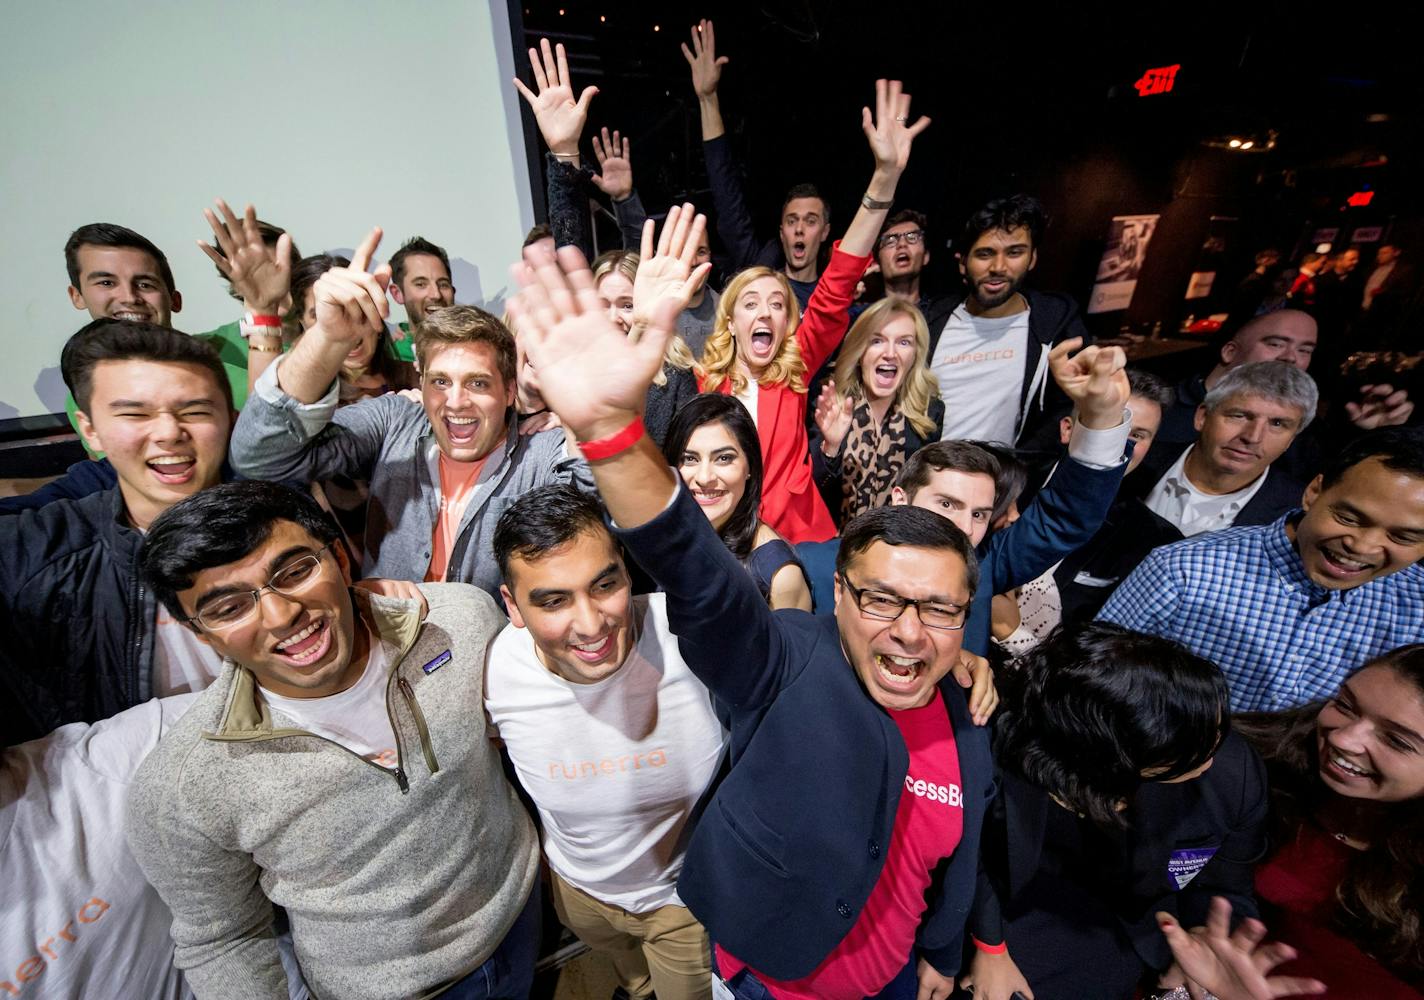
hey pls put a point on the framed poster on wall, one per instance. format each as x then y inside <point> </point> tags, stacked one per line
<point>1128,237</point>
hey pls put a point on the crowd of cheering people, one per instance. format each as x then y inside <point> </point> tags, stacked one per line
<point>780,638</point>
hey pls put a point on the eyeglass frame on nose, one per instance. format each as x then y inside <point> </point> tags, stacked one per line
<point>256,595</point>
<point>910,238</point>
<point>904,602</point>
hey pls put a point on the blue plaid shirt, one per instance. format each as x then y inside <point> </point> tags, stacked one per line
<point>1240,597</point>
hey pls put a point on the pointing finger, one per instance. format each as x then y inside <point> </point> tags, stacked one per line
<point>361,258</point>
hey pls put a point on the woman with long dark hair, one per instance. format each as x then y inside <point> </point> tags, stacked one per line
<point>1123,792</point>
<point>713,444</point>
<point>1345,879</point>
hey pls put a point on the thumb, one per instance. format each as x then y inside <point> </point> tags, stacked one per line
<point>382,275</point>
<point>284,253</point>
<point>586,98</point>
<point>962,674</point>
<point>722,61</point>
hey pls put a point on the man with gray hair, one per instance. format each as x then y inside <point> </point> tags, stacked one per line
<point>1246,422</point>
<point>1225,477</point>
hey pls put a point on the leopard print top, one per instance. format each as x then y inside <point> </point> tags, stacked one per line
<point>871,458</point>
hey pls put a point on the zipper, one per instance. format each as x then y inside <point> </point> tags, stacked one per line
<point>409,694</point>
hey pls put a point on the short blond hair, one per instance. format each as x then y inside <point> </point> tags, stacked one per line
<point>719,356</point>
<point>625,262</point>
<point>465,325</point>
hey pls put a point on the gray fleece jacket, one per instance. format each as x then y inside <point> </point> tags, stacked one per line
<point>395,882</point>
<point>388,440</point>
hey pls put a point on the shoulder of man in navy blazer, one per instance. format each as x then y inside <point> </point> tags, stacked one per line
<point>796,835</point>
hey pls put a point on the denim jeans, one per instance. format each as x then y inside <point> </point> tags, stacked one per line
<point>508,974</point>
<point>905,986</point>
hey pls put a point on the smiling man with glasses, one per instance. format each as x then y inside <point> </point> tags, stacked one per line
<point>338,767</point>
<point>839,855</point>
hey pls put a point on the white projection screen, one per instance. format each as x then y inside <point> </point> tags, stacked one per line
<point>331,116</point>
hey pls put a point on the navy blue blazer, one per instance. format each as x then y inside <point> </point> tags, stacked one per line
<point>784,858</point>
<point>1218,818</point>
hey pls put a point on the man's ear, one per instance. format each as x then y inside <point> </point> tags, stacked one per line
<point>396,293</point>
<point>1229,352</point>
<point>512,609</point>
<point>1199,418</point>
<point>1312,492</point>
<point>1065,430</point>
<point>836,606</point>
<point>898,497</point>
<point>1033,258</point>
<point>87,432</point>
<point>927,256</point>
<point>959,261</point>
<point>177,301</point>
<point>338,552</point>
<point>76,297</point>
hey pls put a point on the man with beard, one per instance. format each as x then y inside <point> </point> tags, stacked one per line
<point>420,281</point>
<point>990,356</point>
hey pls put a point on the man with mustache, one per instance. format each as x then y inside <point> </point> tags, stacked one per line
<point>990,356</point>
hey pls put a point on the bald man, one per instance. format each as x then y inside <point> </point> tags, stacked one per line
<point>1285,335</point>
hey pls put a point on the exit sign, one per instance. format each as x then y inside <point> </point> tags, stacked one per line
<point>1360,199</point>
<point>1157,81</point>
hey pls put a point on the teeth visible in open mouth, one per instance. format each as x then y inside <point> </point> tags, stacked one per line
<point>171,460</point>
<point>462,420</point>
<point>292,640</point>
<point>1347,767</point>
<point>591,647</point>
<point>904,667</point>
<point>1345,562</point>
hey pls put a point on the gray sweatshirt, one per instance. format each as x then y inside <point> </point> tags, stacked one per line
<point>388,440</point>
<point>395,882</point>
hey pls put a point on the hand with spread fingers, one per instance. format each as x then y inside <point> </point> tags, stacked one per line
<point>559,116</point>
<point>702,58</point>
<point>259,274</point>
<point>349,301</point>
<point>615,164</point>
<point>592,375</point>
<point>1095,379</point>
<point>668,273</point>
<point>889,131</point>
<point>1231,965</point>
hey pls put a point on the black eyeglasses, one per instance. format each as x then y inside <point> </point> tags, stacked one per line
<point>234,609</point>
<point>888,607</point>
<point>910,239</point>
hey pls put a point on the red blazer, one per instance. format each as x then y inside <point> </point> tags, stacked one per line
<point>790,502</point>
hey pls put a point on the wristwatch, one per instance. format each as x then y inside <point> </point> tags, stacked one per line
<point>872,204</point>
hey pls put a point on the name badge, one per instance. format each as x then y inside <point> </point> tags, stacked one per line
<point>437,663</point>
<point>1184,865</point>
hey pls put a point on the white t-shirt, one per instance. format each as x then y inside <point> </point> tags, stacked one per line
<point>357,718</point>
<point>979,364</point>
<point>615,767</point>
<point>79,920</point>
<point>1177,500</point>
<point>748,397</point>
<point>182,663</point>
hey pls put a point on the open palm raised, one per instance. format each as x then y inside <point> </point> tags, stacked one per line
<point>591,374</point>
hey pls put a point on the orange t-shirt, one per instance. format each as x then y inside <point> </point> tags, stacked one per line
<point>457,485</point>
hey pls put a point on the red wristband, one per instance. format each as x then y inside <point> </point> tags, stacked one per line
<point>990,949</point>
<point>595,451</point>
<point>261,319</point>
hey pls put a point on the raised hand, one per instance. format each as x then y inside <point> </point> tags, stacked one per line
<point>591,374</point>
<point>560,118</point>
<point>1379,406</point>
<point>1095,379</point>
<point>260,274</point>
<point>889,131</point>
<point>349,301</point>
<point>702,57</point>
<point>669,273</point>
<point>1232,966</point>
<point>616,178</point>
<point>833,418</point>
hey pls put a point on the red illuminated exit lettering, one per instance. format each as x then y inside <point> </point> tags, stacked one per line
<point>1361,198</point>
<point>1157,81</point>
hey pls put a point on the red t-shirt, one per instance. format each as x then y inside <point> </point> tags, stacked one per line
<point>1297,890</point>
<point>929,822</point>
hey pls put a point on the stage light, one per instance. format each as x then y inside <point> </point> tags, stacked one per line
<point>1247,144</point>
<point>1234,143</point>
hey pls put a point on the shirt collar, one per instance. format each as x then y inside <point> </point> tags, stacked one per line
<point>1285,560</point>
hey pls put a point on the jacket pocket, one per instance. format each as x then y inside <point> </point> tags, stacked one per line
<point>755,838</point>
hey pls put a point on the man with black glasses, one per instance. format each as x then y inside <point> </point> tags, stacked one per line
<point>331,770</point>
<point>840,853</point>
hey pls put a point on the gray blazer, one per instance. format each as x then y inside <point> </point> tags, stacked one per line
<point>388,441</point>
